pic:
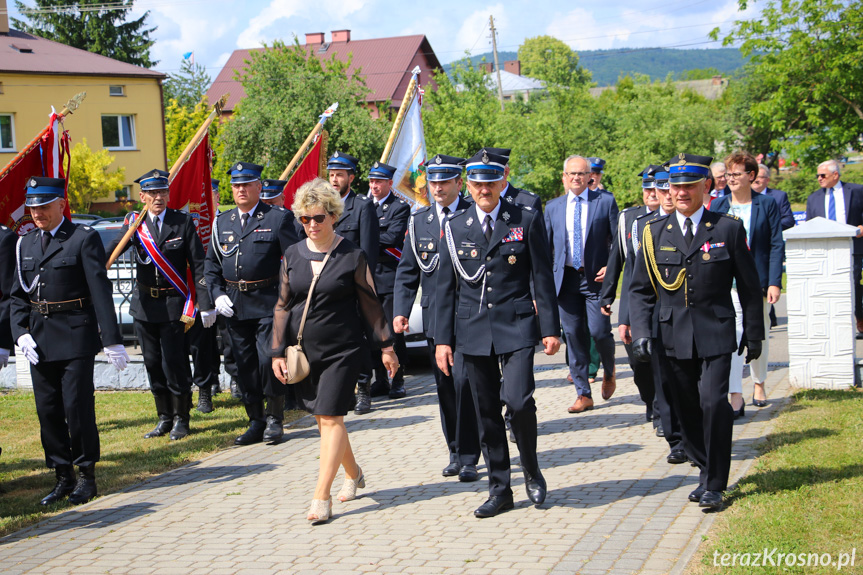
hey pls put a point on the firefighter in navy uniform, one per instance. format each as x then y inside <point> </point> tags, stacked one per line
<point>160,310</point>
<point>393,213</point>
<point>686,266</point>
<point>494,249</point>
<point>62,313</point>
<point>359,224</point>
<point>224,339</point>
<point>418,269</point>
<point>510,193</point>
<point>242,271</point>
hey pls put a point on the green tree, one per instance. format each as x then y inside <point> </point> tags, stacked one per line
<point>551,60</point>
<point>90,178</point>
<point>699,74</point>
<point>91,25</point>
<point>181,123</point>
<point>188,86</point>
<point>809,58</point>
<point>286,89</point>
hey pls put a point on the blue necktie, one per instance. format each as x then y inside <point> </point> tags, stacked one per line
<point>576,235</point>
<point>831,206</point>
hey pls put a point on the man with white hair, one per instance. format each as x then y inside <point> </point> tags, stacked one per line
<point>841,202</point>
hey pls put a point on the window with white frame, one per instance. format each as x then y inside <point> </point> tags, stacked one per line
<point>117,90</point>
<point>7,133</point>
<point>118,132</point>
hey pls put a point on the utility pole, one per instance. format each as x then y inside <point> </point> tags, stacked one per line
<point>496,63</point>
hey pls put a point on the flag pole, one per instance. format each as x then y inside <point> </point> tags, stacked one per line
<point>67,110</point>
<point>400,117</point>
<point>309,139</point>
<point>190,147</point>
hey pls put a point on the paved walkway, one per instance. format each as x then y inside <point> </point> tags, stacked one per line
<point>614,505</point>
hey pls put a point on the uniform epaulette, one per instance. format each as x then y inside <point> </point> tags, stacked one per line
<point>526,208</point>
<point>362,197</point>
<point>457,213</point>
<point>658,218</point>
<point>422,209</point>
<point>630,208</point>
<point>85,228</point>
<point>401,201</point>
<point>729,215</point>
<point>2,227</point>
<point>528,192</point>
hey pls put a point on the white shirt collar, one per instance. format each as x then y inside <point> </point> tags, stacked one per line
<point>160,217</point>
<point>505,190</point>
<point>250,212</point>
<point>481,214</point>
<point>452,208</point>
<point>382,200</point>
<point>54,231</point>
<point>696,219</point>
<point>583,195</point>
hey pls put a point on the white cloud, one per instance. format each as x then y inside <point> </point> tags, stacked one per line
<point>580,29</point>
<point>474,33</point>
<point>334,12</point>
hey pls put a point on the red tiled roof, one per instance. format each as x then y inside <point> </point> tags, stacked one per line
<point>21,52</point>
<point>386,66</point>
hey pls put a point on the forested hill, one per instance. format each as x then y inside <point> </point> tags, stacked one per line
<point>606,66</point>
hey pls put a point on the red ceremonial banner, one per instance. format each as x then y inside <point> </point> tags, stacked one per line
<point>308,170</point>
<point>192,192</point>
<point>45,159</point>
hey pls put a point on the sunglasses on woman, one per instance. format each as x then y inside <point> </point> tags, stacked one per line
<point>306,220</point>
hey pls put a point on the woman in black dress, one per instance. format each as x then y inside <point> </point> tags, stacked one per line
<point>344,309</point>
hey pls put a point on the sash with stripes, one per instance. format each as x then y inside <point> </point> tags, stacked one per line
<point>164,266</point>
<point>395,252</point>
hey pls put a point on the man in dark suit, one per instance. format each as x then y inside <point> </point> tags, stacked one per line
<point>359,224</point>
<point>623,252</point>
<point>842,202</point>
<point>580,227</point>
<point>418,268</point>
<point>167,247</point>
<point>493,250</point>
<point>7,275</point>
<point>242,271</point>
<point>392,214</point>
<point>686,266</point>
<point>62,313</point>
<point>760,185</point>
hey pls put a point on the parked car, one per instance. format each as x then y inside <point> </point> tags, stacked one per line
<point>121,274</point>
<point>86,219</point>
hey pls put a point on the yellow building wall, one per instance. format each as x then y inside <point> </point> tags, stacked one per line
<point>29,97</point>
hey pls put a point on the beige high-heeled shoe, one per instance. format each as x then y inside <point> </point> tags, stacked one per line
<point>320,511</point>
<point>349,489</point>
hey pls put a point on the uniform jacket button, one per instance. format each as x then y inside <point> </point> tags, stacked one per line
<point>488,258</point>
<point>491,305</point>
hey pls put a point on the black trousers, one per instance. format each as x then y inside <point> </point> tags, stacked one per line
<point>387,300</point>
<point>165,357</point>
<point>858,289</point>
<point>642,373</point>
<point>457,410</point>
<point>66,407</point>
<point>251,341</point>
<point>202,345</point>
<point>668,416</point>
<point>226,349</point>
<point>699,394</point>
<point>517,393</point>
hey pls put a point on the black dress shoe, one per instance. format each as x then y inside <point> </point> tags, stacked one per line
<point>759,402</point>
<point>274,430</point>
<point>494,505</point>
<point>398,390</point>
<point>379,389</point>
<point>535,487</point>
<point>452,469</point>
<point>738,413</point>
<point>205,399</point>
<point>364,401</point>
<point>659,431</point>
<point>696,494</point>
<point>65,485</point>
<point>85,489</point>
<point>711,500</point>
<point>254,434</point>
<point>235,389</point>
<point>468,474</point>
<point>676,456</point>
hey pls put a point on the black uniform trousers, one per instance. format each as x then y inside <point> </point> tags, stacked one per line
<point>387,300</point>
<point>457,411</point>
<point>668,417</point>
<point>251,341</point>
<point>163,346</point>
<point>698,389</point>
<point>581,319</point>
<point>226,349</point>
<point>202,345</point>
<point>66,406</point>
<point>516,389</point>
<point>642,374</point>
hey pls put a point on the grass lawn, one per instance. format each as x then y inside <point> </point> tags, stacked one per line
<point>804,495</point>
<point>127,458</point>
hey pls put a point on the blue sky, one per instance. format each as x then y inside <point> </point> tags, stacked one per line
<point>214,28</point>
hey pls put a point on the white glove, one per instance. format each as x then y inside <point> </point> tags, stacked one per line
<point>118,356</point>
<point>224,306</point>
<point>208,317</point>
<point>28,346</point>
<point>4,357</point>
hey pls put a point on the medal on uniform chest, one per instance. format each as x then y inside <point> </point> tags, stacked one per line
<point>461,252</point>
<point>505,215</point>
<point>705,257</point>
<point>469,222</point>
<point>425,256</point>
<point>225,247</point>
<point>511,260</point>
<point>431,246</point>
<point>473,253</point>
<point>706,248</point>
<point>230,238</point>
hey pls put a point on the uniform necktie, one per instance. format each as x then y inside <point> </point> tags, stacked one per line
<point>443,218</point>
<point>157,223</point>
<point>244,219</point>
<point>46,237</point>
<point>831,206</point>
<point>488,229</point>
<point>687,235</point>
<point>576,235</point>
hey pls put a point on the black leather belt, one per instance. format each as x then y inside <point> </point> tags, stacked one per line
<point>157,292</point>
<point>49,307</point>
<point>244,285</point>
